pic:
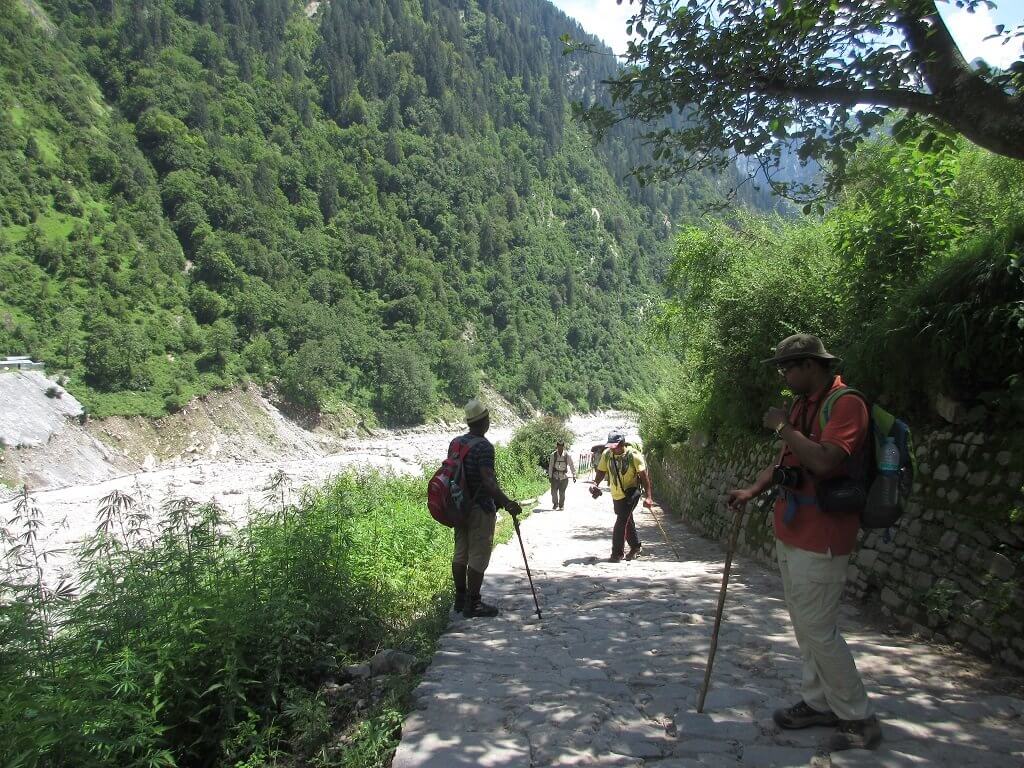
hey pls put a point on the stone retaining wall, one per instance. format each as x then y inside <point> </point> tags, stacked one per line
<point>952,569</point>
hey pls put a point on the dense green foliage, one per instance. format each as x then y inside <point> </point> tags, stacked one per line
<point>916,278</point>
<point>202,191</point>
<point>538,437</point>
<point>758,80</point>
<point>195,644</point>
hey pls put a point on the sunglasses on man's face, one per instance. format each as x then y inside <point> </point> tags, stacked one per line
<point>787,367</point>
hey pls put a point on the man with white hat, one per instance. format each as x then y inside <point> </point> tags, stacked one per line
<point>627,475</point>
<point>474,541</point>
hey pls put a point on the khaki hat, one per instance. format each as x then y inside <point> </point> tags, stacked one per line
<point>800,346</point>
<point>475,410</point>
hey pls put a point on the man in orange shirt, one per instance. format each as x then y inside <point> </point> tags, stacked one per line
<point>813,547</point>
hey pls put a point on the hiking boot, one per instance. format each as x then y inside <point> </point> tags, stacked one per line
<point>634,552</point>
<point>474,605</point>
<point>477,608</point>
<point>459,578</point>
<point>802,715</point>
<point>856,734</point>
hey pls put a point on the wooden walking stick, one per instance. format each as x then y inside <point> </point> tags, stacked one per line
<point>737,520</point>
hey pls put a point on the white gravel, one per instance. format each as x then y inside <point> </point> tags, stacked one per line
<point>238,485</point>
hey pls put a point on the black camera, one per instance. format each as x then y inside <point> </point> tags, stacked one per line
<point>787,477</point>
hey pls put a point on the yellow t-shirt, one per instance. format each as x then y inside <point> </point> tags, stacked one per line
<point>622,470</point>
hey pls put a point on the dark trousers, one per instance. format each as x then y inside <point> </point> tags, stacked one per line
<point>625,528</point>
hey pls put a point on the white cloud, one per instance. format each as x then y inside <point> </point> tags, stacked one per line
<point>604,19</point>
<point>970,30</point>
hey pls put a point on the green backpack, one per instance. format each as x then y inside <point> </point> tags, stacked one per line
<point>881,426</point>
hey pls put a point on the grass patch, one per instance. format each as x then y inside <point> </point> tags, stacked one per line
<point>189,642</point>
<point>55,225</point>
<point>48,151</point>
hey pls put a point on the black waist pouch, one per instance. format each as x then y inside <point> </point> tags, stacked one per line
<point>841,496</point>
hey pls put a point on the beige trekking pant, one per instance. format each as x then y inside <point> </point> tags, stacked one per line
<point>813,583</point>
<point>475,540</point>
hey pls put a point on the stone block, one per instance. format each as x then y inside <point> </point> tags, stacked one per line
<point>958,632</point>
<point>960,470</point>
<point>890,598</point>
<point>918,560</point>
<point>978,479</point>
<point>953,496</point>
<point>942,473</point>
<point>866,558</point>
<point>979,641</point>
<point>1003,458</point>
<point>761,756</point>
<point>1001,566</point>
<point>948,540</point>
<point>952,411</point>
<point>969,586</point>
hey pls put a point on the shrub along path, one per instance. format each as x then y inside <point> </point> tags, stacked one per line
<point>609,677</point>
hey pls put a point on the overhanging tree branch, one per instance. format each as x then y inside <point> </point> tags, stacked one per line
<point>757,74</point>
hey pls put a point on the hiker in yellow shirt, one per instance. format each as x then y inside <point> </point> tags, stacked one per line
<point>626,470</point>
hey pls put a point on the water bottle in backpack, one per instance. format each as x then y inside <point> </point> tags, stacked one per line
<point>889,474</point>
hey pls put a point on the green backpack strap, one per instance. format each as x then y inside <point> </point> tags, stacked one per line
<point>826,409</point>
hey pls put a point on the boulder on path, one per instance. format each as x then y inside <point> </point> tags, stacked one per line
<point>391,662</point>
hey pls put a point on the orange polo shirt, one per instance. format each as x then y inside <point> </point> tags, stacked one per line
<point>847,428</point>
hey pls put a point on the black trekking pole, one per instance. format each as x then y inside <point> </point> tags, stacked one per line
<point>515,524</point>
<point>721,606</point>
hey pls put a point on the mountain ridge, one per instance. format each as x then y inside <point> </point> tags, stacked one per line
<point>219,191</point>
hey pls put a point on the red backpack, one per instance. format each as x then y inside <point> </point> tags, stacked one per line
<point>447,492</point>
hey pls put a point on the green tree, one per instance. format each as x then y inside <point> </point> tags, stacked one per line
<point>457,372</point>
<point>114,356</point>
<point>69,324</point>
<point>750,77</point>
<point>406,387</point>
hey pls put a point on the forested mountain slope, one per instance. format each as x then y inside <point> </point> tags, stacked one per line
<point>370,201</point>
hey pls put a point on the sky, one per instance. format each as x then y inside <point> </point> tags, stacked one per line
<point>607,20</point>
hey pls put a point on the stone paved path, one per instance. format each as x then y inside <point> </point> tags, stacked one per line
<point>609,676</point>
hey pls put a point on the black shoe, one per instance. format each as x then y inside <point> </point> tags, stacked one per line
<point>634,552</point>
<point>460,602</point>
<point>615,559</point>
<point>477,608</point>
<point>802,715</point>
<point>856,734</point>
